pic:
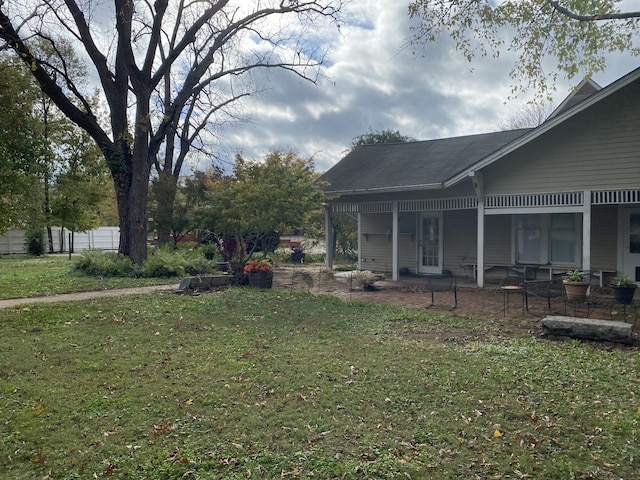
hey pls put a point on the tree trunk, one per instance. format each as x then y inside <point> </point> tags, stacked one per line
<point>164,212</point>
<point>131,194</point>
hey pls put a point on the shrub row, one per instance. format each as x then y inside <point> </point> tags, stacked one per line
<point>162,262</point>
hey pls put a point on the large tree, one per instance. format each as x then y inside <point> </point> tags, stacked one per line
<point>153,62</point>
<point>575,34</point>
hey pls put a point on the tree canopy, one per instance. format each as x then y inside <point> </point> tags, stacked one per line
<point>21,146</point>
<point>262,198</point>
<point>383,136</point>
<point>575,34</point>
<point>159,65</point>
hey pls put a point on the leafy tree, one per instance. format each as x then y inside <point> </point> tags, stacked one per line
<point>383,136</point>
<point>577,34</point>
<point>161,60</point>
<point>80,185</point>
<point>188,199</point>
<point>20,149</point>
<point>262,198</point>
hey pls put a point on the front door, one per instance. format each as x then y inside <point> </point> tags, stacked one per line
<point>430,243</point>
<point>631,246</point>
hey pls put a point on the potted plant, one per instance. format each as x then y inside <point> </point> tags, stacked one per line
<point>325,274</point>
<point>575,285</point>
<point>259,273</point>
<point>209,250</point>
<point>623,290</point>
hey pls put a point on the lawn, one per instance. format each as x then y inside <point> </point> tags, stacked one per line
<point>24,276</point>
<point>265,384</point>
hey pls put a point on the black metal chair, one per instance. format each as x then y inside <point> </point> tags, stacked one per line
<point>547,289</point>
<point>525,273</point>
<point>446,282</point>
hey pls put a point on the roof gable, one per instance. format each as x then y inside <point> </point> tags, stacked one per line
<point>585,89</point>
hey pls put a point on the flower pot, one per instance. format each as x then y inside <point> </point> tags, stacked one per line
<point>623,295</point>
<point>222,266</point>
<point>576,290</point>
<point>260,279</point>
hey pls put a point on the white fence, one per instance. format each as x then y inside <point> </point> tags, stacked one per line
<point>103,238</point>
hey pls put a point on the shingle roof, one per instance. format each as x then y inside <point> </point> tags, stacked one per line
<point>413,165</point>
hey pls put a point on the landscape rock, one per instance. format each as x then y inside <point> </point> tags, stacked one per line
<point>588,328</point>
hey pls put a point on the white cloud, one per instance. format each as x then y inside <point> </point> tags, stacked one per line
<point>374,83</point>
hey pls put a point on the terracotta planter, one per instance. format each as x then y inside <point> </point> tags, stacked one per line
<point>576,290</point>
<point>260,279</point>
<point>623,295</point>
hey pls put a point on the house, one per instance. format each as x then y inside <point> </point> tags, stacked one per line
<point>564,195</point>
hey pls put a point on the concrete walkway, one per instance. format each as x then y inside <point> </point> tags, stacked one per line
<point>67,297</point>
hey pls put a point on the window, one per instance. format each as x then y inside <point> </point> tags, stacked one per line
<point>548,238</point>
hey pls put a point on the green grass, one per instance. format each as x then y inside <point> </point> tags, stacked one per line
<point>23,276</point>
<point>248,383</point>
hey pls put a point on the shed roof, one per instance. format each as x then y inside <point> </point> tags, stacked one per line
<point>407,166</point>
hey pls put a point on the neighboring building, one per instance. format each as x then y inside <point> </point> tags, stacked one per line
<point>561,196</point>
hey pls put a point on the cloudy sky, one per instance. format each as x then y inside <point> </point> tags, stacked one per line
<point>373,83</point>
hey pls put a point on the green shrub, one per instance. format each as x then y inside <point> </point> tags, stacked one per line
<point>166,261</point>
<point>34,242</point>
<point>99,263</point>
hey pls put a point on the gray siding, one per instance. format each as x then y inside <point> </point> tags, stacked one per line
<point>604,237</point>
<point>460,240</point>
<point>375,242</point>
<point>597,149</point>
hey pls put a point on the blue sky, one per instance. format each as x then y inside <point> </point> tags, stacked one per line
<point>374,83</point>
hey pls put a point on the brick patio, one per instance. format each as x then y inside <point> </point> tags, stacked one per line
<point>486,303</point>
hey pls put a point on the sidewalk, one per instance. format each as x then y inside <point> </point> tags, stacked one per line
<point>68,297</point>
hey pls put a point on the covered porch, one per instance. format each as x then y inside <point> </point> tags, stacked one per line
<point>484,237</point>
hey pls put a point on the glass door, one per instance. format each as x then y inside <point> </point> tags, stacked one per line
<point>430,244</point>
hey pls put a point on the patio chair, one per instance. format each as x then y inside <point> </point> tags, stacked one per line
<point>524,273</point>
<point>442,283</point>
<point>543,289</point>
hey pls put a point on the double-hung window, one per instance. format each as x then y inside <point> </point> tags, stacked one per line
<point>548,238</point>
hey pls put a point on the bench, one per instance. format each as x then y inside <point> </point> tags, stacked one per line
<point>587,328</point>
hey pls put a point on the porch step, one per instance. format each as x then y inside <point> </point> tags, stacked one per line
<point>587,328</point>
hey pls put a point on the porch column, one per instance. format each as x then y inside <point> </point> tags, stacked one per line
<point>359,241</point>
<point>478,186</point>
<point>328,237</point>
<point>394,243</point>
<point>480,252</point>
<point>586,230</point>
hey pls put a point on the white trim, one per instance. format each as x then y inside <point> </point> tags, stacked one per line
<point>532,210</point>
<point>394,248</point>
<point>501,204</point>
<point>586,232</point>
